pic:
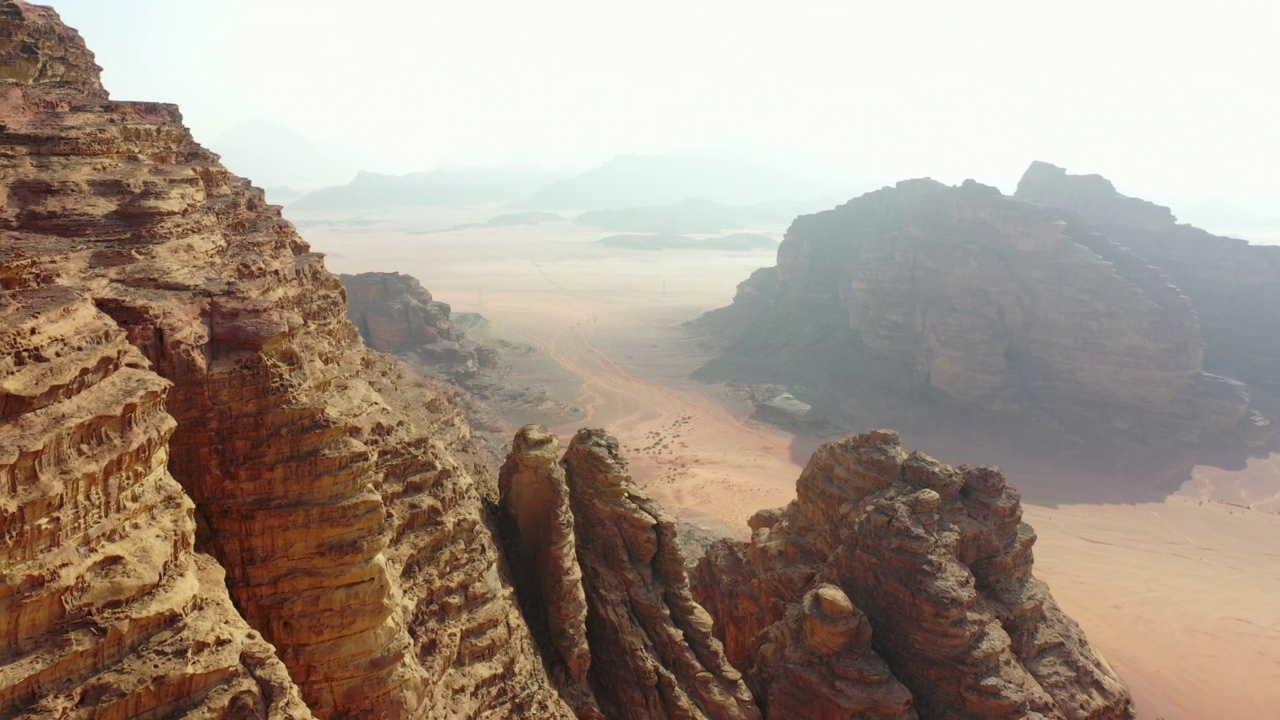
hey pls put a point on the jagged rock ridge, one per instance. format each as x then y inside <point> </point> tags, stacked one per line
<point>335,491</point>
<point>215,501</point>
<point>994,304</point>
<point>936,561</point>
<point>606,577</point>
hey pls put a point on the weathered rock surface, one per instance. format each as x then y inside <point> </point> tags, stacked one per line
<point>216,502</point>
<point>606,571</point>
<point>534,504</point>
<point>995,304</point>
<point>938,560</point>
<point>336,492</point>
<point>394,313</point>
<point>106,610</point>
<point>1234,287</point>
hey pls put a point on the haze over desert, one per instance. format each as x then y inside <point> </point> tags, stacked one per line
<point>675,360</point>
<point>1175,585</point>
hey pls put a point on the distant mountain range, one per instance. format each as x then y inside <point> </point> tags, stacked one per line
<point>277,156</point>
<point>668,241</point>
<point>697,215</point>
<point>469,186</point>
<point>718,177</point>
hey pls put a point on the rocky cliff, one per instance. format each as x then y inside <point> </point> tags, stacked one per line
<point>394,313</point>
<point>894,584</point>
<point>605,577</point>
<point>335,493</point>
<point>1234,287</point>
<point>923,291</point>
<point>217,502</point>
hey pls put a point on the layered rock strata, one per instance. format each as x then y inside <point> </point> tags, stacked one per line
<point>938,560</point>
<point>394,313</point>
<point>1234,286</point>
<point>216,502</point>
<point>337,495</point>
<point>639,643</point>
<point>995,304</point>
<point>106,610</point>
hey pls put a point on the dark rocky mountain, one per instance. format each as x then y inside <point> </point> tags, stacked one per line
<point>928,296</point>
<point>1234,287</point>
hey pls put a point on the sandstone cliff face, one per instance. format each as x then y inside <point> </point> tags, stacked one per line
<point>394,313</point>
<point>337,496</point>
<point>996,304</point>
<point>1234,287</point>
<point>609,581</point>
<point>936,561</point>
<point>216,502</point>
<point>106,610</point>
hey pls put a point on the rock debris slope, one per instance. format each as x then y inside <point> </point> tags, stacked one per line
<point>894,560</point>
<point>337,496</point>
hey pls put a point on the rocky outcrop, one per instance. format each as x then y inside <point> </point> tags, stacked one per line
<point>639,646</point>
<point>394,313</point>
<point>1234,287</point>
<point>539,529</point>
<point>106,610</point>
<point>334,490</point>
<point>216,501</point>
<point>938,560</point>
<point>993,304</point>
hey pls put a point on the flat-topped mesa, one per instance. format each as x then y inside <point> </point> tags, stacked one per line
<point>394,313</point>
<point>336,491</point>
<point>1234,287</point>
<point>938,559</point>
<point>651,651</point>
<point>1004,309</point>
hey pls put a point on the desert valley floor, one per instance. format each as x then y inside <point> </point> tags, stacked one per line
<point>1178,587</point>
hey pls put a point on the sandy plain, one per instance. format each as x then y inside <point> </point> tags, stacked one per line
<point>1178,587</point>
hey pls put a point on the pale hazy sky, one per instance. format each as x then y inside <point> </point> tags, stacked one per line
<point>1165,98</point>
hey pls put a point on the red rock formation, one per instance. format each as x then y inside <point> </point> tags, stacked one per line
<point>338,498</point>
<point>106,610</point>
<point>394,313</point>
<point>647,645</point>
<point>179,376</point>
<point>534,500</point>
<point>939,561</point>
<point>817,663</point>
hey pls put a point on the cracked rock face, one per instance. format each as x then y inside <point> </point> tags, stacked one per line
<point>335,492</point>
<point>936,561</point>
<point>588,532</point>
